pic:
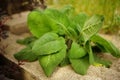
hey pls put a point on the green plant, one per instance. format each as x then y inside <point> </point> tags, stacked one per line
<point>65,38</point>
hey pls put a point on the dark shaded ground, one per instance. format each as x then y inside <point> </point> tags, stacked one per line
<point>9,70</point>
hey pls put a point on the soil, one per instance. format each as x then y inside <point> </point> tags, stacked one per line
<point>8,70</point>
<point>66,73</point>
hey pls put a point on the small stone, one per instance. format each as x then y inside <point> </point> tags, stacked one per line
<point>19,28</point>
<point>18,24</point>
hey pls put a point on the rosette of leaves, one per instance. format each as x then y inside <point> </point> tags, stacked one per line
<point>65,38</point>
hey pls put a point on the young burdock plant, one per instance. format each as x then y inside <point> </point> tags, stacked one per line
<point>62,38</point>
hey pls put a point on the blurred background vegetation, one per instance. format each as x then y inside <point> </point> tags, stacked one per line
<point>109,8</point>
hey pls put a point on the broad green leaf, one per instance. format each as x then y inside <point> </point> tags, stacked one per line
<point>48,37</point>
<point>60,19</point>
<point>39,23</point>
<point>107,45</point>
<point>76,51</point>
<point>50,62</point>
<point>80,20</point>
<point>58,16</point>
<point>51,47</point>
<point>81,65</point>
<point>48,44</point>
<point>92,26</point>
<point>53,13</point>
<point>90,52</point>
<point>26,54</point>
